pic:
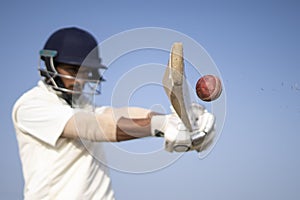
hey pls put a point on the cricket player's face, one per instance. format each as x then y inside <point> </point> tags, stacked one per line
<point>73,76</point>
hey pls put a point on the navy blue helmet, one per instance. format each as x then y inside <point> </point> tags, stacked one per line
<point>74,46</point>
<point>71,46</point>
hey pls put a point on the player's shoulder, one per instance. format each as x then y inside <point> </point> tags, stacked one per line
<point>32,93</point>
<point>38,93</point>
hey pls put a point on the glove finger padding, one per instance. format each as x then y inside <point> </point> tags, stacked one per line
<point>206,141</point>
<point>206,122</point>
<point>178,140</point>
<point>196,110</point>
<point>170,134</point>
<point>206,131</point>
<point>203,122</point>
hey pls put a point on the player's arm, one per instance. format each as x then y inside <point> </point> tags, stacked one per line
<point>129,122</point>
<point>111,125</point>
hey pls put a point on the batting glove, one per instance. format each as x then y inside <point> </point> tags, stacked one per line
<point>199,139</point>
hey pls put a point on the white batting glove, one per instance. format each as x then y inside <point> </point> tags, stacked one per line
<point>199,139</point>
<point>204,123</point>
<point>174,132</point>
<point>162,124</point>
<point>179,140</point>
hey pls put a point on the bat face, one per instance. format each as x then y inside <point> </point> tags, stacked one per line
<point>176,87</point>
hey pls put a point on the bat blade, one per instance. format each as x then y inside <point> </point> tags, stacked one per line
<point>175,85</point>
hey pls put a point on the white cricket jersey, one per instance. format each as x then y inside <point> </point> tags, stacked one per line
<point>55,167</point>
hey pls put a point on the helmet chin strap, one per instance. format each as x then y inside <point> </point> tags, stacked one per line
<point>54,80</point>
<point>66,96</point>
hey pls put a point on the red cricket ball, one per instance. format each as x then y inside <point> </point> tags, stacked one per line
<point>208,88</point>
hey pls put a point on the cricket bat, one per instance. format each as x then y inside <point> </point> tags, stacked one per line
<point>175,85</point>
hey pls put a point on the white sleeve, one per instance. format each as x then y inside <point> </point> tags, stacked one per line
<point>43,120</point>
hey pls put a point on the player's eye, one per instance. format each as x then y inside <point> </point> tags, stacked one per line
<point>71,70</point>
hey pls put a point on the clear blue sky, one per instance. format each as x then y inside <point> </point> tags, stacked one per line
<point>256,47</point>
